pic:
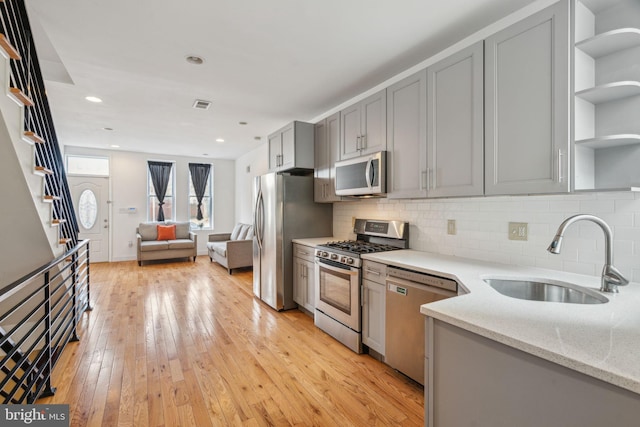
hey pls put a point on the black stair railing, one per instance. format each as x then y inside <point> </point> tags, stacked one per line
<point>26,76</point>
<point>40,315</point>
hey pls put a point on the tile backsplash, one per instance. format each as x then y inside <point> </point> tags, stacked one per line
<point>482,228</point>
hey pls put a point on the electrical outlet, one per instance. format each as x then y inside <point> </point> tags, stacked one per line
<point>451,226</point>
<point>518,231</point>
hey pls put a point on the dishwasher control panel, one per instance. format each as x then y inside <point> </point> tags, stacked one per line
<point>422,278</point>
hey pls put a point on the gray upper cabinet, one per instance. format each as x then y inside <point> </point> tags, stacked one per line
<point>363,127</point>
<point>455,125</point>
<point>327,146</point>
<point>527,105</point>
<point>291,147</point>
<point>406,137</point>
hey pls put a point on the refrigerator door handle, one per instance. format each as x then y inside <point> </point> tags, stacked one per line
<point>256,218</point>
<point>260,220</point>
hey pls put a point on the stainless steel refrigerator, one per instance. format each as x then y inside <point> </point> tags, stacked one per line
<point>283,210</point>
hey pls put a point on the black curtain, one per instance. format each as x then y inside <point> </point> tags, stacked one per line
<point>160,174</point>
<point>199,178</point>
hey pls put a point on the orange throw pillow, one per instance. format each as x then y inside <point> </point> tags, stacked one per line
<point>167,232</point>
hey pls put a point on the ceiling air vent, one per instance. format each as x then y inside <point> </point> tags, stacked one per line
<point>200,104</point>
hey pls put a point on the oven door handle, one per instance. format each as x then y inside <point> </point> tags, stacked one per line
<point>337,267</point>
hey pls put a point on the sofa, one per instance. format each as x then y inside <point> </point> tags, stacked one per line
<point>232,250</point>
<point>165,240</point>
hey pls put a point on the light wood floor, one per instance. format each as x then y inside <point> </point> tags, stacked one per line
<point>185,344</point>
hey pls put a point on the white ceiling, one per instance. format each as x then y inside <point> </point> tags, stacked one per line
<point>267,62</point>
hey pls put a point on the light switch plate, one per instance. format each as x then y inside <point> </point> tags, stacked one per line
<point>451,226</point>
<point>518,231</point>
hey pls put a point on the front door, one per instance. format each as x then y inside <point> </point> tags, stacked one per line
<point>90,200</point>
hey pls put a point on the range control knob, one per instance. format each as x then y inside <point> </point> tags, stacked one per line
<point>324,254</point>
<point>343,259</point>
<point>334,256</point>
<point>349,260</point>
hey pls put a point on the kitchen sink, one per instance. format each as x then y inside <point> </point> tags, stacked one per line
<point>545,290</point>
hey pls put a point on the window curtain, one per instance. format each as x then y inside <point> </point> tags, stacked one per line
<point>199,178</point>
<point>160,174</point>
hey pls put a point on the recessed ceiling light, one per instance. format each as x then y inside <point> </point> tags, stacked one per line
<point>108,129</point>
<point>257,138</point>
<point>114,146</point>
<point>220,140</point>
<point>93,99</point>
<point>242,123</point>
<point>195,59</point>
<point>205,154</point>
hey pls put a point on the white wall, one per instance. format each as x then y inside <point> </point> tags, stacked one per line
<point>482,225</point>
<point>128,182</point>
<point>257,163</point>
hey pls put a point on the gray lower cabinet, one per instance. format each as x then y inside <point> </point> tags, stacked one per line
<point>363,127</point>
<point>291,147</point>
<point>473,380</point>
<point>455,125</point>
<point>327,147</point>
<point>304,277</point>
<point>407,137</point>
<point>373,305</point>
<point>527,105</point>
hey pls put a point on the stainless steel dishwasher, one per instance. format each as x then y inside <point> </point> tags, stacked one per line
<point>407,290</point>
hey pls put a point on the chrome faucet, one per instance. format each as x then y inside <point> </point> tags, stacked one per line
<point>611,276</point>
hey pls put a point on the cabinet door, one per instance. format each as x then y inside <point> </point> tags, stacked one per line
<point>373,315</point>
<point>333,148</point>
<point>373,123</point>
<point>275,150</point>
<point>321,162</point>
<point>288,159</point>
<point>406,137</point>
<point>350,132</point>
<point>299,283</point>
<point>526,105</point>
<point>455,124</point>
<point>310,286</point>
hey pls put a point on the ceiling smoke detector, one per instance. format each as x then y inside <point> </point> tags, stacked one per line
<point>201,104</point>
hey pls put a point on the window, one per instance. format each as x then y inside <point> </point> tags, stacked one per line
<point>203,174</point>
<point>86,165</point>
<point>164,173</point>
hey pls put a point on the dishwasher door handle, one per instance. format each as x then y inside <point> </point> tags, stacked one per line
<point>404,287</point>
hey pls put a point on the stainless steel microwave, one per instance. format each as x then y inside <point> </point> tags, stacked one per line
<point>362,176</point>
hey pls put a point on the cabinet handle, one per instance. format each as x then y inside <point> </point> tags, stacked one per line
<point>358,142</point>
<point>423,180</point>
<point>377,273</point>
<point>560,177</point>
<point>363,142</point>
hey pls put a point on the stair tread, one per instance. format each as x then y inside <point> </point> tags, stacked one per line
<point>21,97</point>
<point>8,48</point>
<point>34,137</point>
<point>44,170</point>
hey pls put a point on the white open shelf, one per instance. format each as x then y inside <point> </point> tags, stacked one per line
<point>610,92</point>
<point>610,42</point>
<point>609,141</point>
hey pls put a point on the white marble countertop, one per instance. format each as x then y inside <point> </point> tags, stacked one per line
<point>314,241</point>
<point>600,340</point>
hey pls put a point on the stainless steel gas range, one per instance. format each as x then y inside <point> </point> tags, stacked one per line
<point>339,277</point>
